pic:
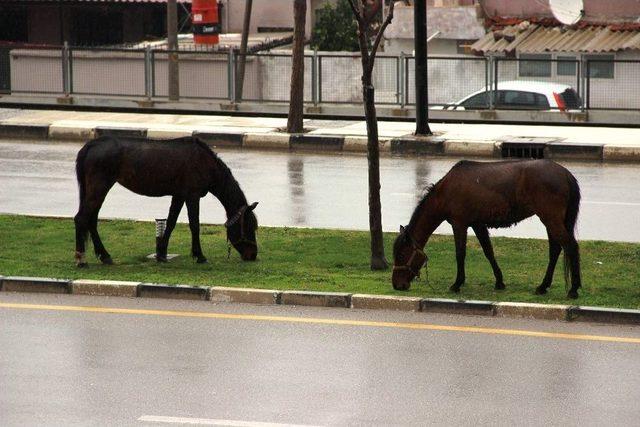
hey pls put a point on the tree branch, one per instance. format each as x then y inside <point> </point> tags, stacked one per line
<point>356,13</point>
<point>378,39</point>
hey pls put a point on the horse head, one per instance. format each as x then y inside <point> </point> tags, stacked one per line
<point>408,259</point>
<point>241,232</point>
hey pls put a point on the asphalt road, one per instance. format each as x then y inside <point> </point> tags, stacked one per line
<point>131,361</point>
<point>307,190</point>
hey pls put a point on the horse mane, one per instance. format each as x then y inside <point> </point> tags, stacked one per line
<point>428,191</point>
<point>230,191</point>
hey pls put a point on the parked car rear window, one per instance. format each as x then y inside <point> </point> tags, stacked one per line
<point>521,99</point>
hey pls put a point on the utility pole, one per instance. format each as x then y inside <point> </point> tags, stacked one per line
<point>172,42</point>
<point>243,50</point>
<point>420,33</point>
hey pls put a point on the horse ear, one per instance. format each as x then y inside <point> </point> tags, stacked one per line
<point>252,206</point>
<point>401,229</point>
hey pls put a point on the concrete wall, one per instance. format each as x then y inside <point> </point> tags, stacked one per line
<point>264,13</point>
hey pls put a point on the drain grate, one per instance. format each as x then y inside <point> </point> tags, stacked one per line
<point>525,147</point>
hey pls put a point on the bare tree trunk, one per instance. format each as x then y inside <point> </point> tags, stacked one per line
<point>243,50</point>
<point>364,15</point>
<point>172,44</point>
<point>296,97</point>
<point>378,260</point>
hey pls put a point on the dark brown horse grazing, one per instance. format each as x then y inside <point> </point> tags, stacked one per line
<point>495,194</point>
<point>185,169</point>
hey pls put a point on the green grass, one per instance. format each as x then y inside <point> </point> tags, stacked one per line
<point>311,259</point>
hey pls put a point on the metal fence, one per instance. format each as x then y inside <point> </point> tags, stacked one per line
<point>329,78</point>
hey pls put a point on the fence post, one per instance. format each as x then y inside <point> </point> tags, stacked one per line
<point>66,69</point>
<point>231,75</point>
<point>494,82</point>
<point>314,77</point>
<point>402,96</point>
<point>148,78</point>
<point>588,84</point>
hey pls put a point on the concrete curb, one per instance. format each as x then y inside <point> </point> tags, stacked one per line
<point>24,131</point>
<point>245,295</point>
<point>35,284</point>
<point>316,299</point>
<point>186,292</point>
<point>532,310</point>
<point>406,145</point>
<point>443,305</point>
<point>385,302</point>
<point>220,294</point>
<point>109,288</point>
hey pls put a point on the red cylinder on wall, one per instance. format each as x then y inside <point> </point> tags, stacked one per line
<point>204,16</point>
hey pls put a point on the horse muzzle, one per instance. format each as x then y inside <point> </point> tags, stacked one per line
<point>400,281</point>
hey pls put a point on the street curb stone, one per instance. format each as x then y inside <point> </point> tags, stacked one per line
<point>244,295</point>
<point>532,310</point>
<point>168,133</point>
<point>443,305</point>
<point>185,292</point>
<point>385,302</point>
<point>24,131</point>
<point>573,151</point>
<point>269,140</point>
<point>316,299</point>
<point>220,139</point>
<point>418,145</point>
<point>110,288</point>
<point>604,315</point>
<point>320,299</point>
<point>72,132</point>
<point>316,142</point>
<point>469,148</point>
<point>620,153</point>
<point>122,132</point>
<point>35,284</point>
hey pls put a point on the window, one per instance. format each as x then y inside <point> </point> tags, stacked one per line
<point>535,65</point>
<point>566,66</point>
<point>477,102</point>
<point>600,66</point>
<point>517,99</point>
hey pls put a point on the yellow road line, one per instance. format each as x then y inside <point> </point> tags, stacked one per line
<point>321,321</point>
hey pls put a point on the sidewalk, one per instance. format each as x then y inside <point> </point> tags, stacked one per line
<point>485,140</point>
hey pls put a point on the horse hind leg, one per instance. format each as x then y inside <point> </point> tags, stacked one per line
<point>567,241</point>
<point>554,253</point>
<point>81,226</point>
<point>482,233</point>
<point>193,210</point>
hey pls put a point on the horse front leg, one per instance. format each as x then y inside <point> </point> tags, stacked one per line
<point>172,218</point>
<point>460,237</point>
<point>482,233</point>
<point>193,209</point>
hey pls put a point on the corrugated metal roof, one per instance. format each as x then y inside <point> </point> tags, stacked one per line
<point>93,1</point>
<point>534,38</point>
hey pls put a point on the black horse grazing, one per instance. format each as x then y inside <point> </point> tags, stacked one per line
<point>184,168</point>
<point>496,194</point>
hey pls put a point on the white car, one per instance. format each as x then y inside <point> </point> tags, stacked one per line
<point>522,95</point>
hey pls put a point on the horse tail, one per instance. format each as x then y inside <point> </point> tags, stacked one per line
<point>570,220</point>
<point>80,172</point>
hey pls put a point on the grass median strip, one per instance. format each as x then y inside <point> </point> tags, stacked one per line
<point>315,260</point>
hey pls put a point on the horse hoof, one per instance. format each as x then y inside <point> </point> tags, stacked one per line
<point>455,289</point>
<point>500,286</point>
<point>160,258</point>
<point>107,260</point>
<point>572,294</point>
<point>82,265</point>
<point>541,290</point>
<point>202,260</point>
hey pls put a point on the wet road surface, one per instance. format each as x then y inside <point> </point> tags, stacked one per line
<point>308,190</point>
<point>123,361</point>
